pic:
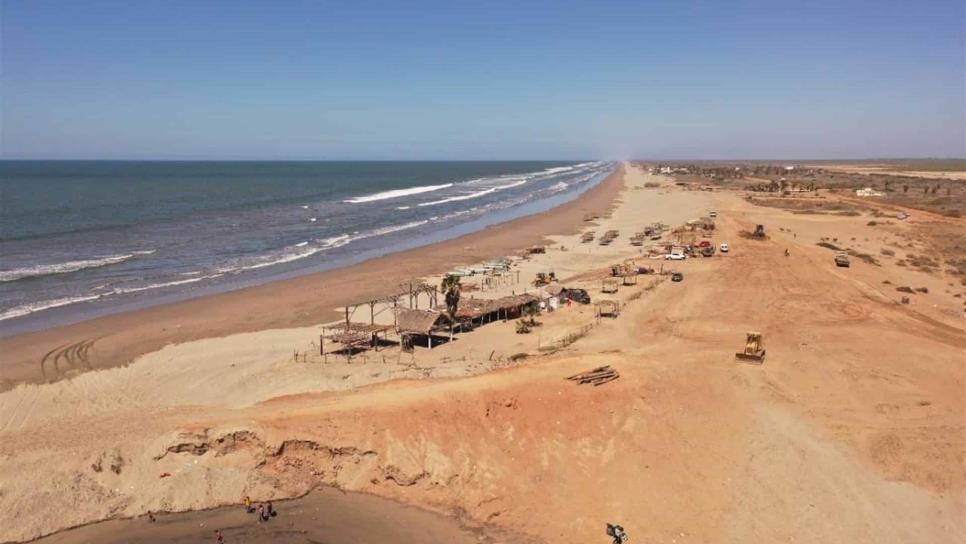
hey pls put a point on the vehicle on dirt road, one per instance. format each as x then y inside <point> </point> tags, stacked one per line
<point>842,259</point>
<point>675,257</point>
<point>577,295</point>
<point>725,248</point>
<point>677,276</point>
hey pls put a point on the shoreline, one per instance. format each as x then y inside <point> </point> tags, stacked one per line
<point>117,339</point>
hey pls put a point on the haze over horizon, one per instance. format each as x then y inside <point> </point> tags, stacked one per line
<point>428,81</point>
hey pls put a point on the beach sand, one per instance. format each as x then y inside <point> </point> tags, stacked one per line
<point>117,339</point>
<point>851,431</point>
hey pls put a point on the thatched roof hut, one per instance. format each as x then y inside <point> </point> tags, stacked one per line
<point>553,289</point>
<point>409,321</point>
<point>476,308</point>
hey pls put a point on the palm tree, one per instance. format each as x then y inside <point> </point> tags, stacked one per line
<point>531,311</point>
<point>451,290</point>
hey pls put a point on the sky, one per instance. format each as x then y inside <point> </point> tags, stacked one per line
<point>482,80</point>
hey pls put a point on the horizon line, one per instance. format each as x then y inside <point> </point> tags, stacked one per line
<point>849,159</point>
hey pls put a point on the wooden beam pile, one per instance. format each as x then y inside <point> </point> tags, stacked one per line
<point>597,376</point>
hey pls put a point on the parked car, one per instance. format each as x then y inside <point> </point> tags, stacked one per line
<point>577,295</point>
<point>725,248</point>
<point>713,214</point>
<point>675,257</point>
<point>677,276</point>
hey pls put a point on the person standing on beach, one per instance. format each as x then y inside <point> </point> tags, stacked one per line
<point>248,504</point>
<point>261,512</point>
<point>219,538</point>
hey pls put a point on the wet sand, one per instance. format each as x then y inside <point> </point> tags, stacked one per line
<point>326,515</point>
<point>116,340</point>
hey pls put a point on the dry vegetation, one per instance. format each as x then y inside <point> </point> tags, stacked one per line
<point>942,195</point>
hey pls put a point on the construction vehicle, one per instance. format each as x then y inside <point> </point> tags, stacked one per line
<point>544,278</point>
<point>842,259</point>
<point>754,352</point>
<point>759,231</point>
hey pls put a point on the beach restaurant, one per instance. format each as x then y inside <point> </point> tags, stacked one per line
<point>422,326</point>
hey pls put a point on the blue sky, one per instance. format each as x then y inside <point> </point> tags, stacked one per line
<point>482,80</point>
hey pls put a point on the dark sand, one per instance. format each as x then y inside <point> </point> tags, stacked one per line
<point>325,516</point>
<point>306,300</point>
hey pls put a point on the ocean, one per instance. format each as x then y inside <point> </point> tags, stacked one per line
<point>80,239</point>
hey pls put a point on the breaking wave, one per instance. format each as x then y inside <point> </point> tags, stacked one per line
<point>476,194</point>
<point>66,267</point>
<point>396,193</point>
<point>124,290</point>
<point>390,229</point>
<point>27,309</point>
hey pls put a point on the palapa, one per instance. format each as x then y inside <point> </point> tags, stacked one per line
<point>409,321</point>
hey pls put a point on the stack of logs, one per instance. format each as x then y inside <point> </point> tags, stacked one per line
<point>597,376</point>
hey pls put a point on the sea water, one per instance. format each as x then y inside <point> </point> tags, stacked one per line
<point>85,238</point>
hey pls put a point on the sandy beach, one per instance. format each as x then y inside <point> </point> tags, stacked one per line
<point>851,431</point>
<point>117,339</point>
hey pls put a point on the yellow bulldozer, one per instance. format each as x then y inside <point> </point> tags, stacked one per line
<point>754,352</point>
<point>544,278</point>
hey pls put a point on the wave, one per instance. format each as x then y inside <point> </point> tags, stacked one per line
<point>125,290</point>
<point>335,241</point>
<point>393,228</point>
<point>558,187</point>
<point>285,255</point>
<point>66,267</point>
<point>26,309</point>
<point>396,193</point>
<point>557,170</point>
<point>457,198</point>
<point>476,194</point>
